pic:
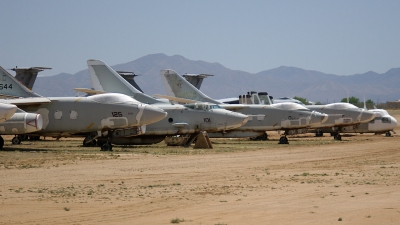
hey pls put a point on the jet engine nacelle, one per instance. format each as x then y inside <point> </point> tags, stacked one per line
<point>22,123</point>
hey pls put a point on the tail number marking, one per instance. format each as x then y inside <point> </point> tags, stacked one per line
<point>5,86</point>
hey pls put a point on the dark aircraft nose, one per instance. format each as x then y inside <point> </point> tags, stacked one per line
<point>151,114</point>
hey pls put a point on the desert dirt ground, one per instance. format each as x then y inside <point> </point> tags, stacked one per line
<point>310,181</point>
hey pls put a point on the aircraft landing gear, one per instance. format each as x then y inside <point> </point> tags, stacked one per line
<point>283,140</point>
<point>262,137</point>
<point>388,134</point>
<point>337,136</point>
<point>106,146</point>
<point>90,140</point>
<point>319,133</point>
<point>1,142</point>
<point>190,140</point>
<point>16,140</point>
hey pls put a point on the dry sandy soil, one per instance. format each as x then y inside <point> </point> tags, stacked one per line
<point>310,181</point>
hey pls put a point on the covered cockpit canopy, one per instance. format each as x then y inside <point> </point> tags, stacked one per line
<point>381,112</point>
<point>340,105</point>
<point>112,98</point>
<point>289,106</point>
<point>202,106</point>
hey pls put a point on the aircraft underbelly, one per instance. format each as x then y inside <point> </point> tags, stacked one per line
<point>235,134</point>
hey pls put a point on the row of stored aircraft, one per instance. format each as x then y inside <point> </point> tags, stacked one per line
<point>118,112</point>
<point>343,117</point>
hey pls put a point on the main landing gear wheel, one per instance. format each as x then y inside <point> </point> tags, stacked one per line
<point>1,142</point>
<point>106,147</point>
<point>283,140</point>
<point>337,137</point>
<point>89,141</point>
<point>388,134</point>
<point>16,140</point>
<point>319,133</point>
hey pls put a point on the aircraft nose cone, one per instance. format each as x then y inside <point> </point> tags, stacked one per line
<point>235,120</point>
<point>152,114</point>
<point>394,122</point>
<point>7,111</point>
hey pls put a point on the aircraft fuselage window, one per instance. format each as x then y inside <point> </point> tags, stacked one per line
<point>73,115</point>
<point>58,114</point>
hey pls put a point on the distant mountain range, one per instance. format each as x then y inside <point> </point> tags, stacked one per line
<point>278,82</point>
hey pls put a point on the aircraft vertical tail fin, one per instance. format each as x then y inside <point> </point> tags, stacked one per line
<point>104,78</point>
<point>177,86</point>
<point>11,87</point>
<point>27,76</point>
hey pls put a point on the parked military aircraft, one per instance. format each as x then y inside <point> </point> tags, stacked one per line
<point>383,123</point>
<point>283,116</point>
<point>181,120</point>
<point>340,114</point>
<point>350,115</point>
<point>107,114</point>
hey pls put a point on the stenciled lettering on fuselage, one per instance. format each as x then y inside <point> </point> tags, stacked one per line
<point>207,120</point>
<point>116,114</point>
<point>292,118</point>
<point>346,120</point>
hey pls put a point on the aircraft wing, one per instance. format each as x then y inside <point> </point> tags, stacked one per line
<point>180,100</point>
<point>89,91</point>
<point>26,101</point>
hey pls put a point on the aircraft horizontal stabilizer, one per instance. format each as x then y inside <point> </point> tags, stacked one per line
<point>89,91</point>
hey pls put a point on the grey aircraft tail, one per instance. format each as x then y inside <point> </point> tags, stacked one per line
<point>27,76</point>
<point>105,79</point>
<point>10,87</point>
<point>178,86</point>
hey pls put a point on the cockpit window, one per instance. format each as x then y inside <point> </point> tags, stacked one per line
<point>289,106</point>
<point>112,98</point>
<point>215,107</point>
<point>340,105</point>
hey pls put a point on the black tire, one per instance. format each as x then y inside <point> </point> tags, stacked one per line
<point>106,147</point>
<point>16,140</point>
<point>338,137</point>
<point>87,143</point>
<point>283,140</point>
<point>1,142</point>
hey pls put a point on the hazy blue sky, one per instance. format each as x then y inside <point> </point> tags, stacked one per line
<point>336,37</point>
